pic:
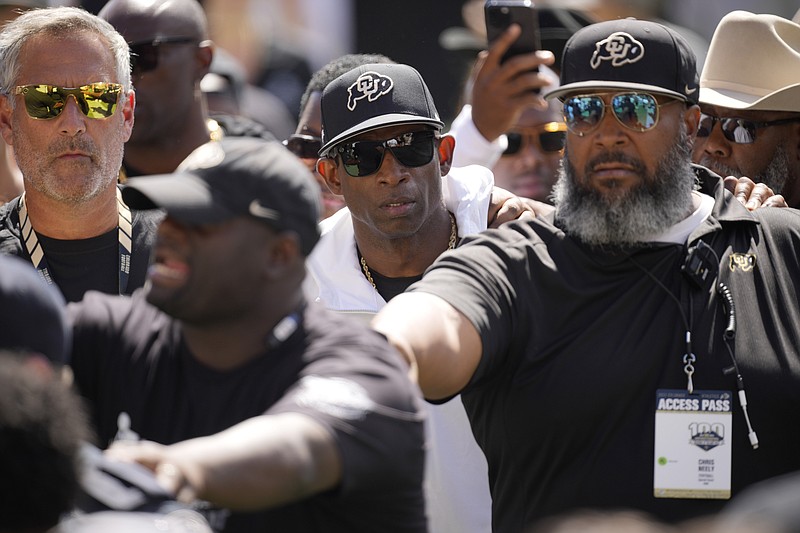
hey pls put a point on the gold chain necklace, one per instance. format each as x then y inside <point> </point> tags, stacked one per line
<point>450,245</point>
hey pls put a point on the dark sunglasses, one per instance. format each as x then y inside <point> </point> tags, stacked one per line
<point>550,138</point>
<point>303,146</point>
<point>635,111</point>
<point>737,130</point>
<point>144,55</point>
<point>96,100</point>
<point>412,149</point>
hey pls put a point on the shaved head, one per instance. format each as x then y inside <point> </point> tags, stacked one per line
<point>140,20</point>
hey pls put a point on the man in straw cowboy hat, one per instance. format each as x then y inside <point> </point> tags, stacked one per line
<point>750,102</point>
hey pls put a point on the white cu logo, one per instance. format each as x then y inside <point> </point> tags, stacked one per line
<point>619,48</point>
<point>369,85</point>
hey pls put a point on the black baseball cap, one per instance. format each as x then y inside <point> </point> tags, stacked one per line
<point>374,96</point>
<point>237,176</point>
<point>629,54</point>
<point>32,313</point>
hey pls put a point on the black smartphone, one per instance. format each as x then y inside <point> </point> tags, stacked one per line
<point>500,14</point>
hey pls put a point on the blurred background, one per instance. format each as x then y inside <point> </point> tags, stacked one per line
<point>281,42</point>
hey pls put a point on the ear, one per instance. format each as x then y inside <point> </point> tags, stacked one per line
<point>796,136</point>
<point>329,170</point>
<point>692,118</point>
<point>447,144</point>
<point>203,56</point>
<point>6,118</point>
<point>284,255</point>
<point>128,106</point>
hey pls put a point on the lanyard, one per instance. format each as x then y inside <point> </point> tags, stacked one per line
<point>36,253</point>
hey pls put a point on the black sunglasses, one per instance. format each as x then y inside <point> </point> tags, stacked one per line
<point>144,54</point>
<point>737,130</point>
<point>550,137</point>
<point>412,149</point>
<point>303,146</point>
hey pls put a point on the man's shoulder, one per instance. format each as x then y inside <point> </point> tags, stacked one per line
<point>332,332</point>
<point>331,326</point>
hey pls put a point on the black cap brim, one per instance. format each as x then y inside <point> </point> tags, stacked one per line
<point>183,196</point>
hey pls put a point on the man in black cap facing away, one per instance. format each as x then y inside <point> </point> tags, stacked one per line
<point>603,352</point>
<point>331,437</point>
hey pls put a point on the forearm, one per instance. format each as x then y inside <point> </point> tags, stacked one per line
<point>263,462</point>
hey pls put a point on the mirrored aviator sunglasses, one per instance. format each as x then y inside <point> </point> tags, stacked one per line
<point>635,111</point>
<point>362,158</point>
<point>303,146</point>
<point>145,54</point>
<point>550,138</point>
<point>97,100</point>
<point>737,130</point>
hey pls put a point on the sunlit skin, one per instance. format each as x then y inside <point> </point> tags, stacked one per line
<point>531,172</point>
<point>398,211</point>
<point>70,163</point>
<point>310,123</point>
<point>725,157</point>
<point>613,178</point>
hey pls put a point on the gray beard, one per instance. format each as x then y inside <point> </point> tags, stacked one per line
<point>775,175</point>
<point>658,202</point>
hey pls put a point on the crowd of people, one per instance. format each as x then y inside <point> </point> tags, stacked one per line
<point>572,308</point>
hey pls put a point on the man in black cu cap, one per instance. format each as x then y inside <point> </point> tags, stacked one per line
<point>297,419</point>
<point>603,353</point>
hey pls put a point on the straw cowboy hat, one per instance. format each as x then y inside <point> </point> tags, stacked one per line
<point>753,63</point>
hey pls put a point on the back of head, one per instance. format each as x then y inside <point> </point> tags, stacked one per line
<point>629,54</point>
<point>42,426</point>
<point>138,19</point>
<point>57,22</point>
<point>238,176</point>
<point>753,63</point>
<point>32,315</point>
<point>375,96</point>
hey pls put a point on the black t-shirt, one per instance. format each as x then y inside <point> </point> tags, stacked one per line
<point>129,357</point>
<point>79,265</point>
<point>576,342</point>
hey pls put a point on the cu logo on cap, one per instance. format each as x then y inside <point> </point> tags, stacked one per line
<point>619,48</point>
<point>369,85</point>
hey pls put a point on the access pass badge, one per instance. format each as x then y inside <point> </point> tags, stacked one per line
<point>693,444</point>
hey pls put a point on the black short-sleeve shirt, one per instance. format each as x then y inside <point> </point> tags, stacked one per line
<point>577,340</point>
<point>130,357</point>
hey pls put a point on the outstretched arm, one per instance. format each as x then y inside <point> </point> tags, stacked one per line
<point>263,462</point>
<point>439,342</point>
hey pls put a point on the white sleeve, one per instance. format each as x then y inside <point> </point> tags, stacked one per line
<point>472,148</point>
<point>467,192</point>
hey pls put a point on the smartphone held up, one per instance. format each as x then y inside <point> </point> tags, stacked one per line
<point>500,14</point>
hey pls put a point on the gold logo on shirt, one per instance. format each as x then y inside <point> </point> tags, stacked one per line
<point>744,262</point>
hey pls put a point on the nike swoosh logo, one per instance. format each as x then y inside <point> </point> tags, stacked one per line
<point>258,210</point>
<point>687,90</point>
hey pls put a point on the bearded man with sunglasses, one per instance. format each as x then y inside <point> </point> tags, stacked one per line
<point>603,353</point>
<point>750,102</point>
<point>67,110</point>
